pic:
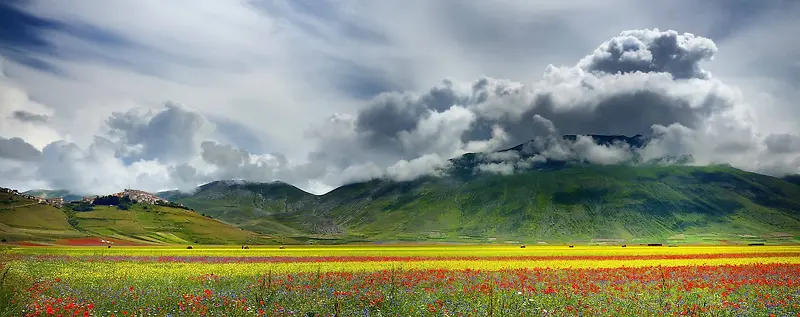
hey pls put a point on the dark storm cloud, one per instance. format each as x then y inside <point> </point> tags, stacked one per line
<point>61,165</point>
<point>625,113</point>
<point>17,149</point>
<point>235,163</point>
<point>171,134</point>
<point>185,177</point>
<point>543,125</point>
<point>25,116</point>
<point>183,172</point>
<point>391,113</point>
<point>636,81</point>
<point>652,51</point>
<point>783,143</point>
<point>623,88</point>
<point>223,155</point>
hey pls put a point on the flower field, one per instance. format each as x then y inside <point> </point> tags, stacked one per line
<point>403,281</point>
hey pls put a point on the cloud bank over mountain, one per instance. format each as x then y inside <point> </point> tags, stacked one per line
<point>654,82</point>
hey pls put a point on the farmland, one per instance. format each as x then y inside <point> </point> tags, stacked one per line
<point>409,280</point>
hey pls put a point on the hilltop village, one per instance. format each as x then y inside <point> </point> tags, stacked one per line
<point>137,196</point>
<point>55,201</point>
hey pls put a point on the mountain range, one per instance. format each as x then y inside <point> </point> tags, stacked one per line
<point>519,195</point>
<point>44,193</point>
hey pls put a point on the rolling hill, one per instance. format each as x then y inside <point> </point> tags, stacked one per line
<point>552,201</point>
<point>25,220</point>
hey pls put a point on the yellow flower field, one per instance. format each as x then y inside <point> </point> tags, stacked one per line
<point>403,250</point>
<point>173,261</point>
<point>403,280</point>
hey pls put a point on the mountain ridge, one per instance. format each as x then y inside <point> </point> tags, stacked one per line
<point>668,200</point>
<point>544,200</point>
<point>562,201</point>
<point>635,141</point>
<point>53,193</point>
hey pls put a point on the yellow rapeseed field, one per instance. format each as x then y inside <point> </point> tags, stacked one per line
<point>402,250</point>
<point>100,271</point>
<point>374,258</point>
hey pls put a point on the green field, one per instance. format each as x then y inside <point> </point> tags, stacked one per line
<point>159,224</point>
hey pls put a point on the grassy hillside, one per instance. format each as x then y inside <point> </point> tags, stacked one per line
<point>159,224</point>
<point>260,207</point>
<point>794,179</point>
<point>22,219</point>
<point>571,203</point>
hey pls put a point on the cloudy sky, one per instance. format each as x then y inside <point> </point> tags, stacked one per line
<point>96,96</point>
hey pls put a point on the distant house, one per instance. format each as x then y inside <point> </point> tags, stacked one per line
<point>56,201</point>
<point>88,200</point>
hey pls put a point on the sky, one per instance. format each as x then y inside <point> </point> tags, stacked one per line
<point>97,96</point>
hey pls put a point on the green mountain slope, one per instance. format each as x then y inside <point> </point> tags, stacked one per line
<point>794,179</point>
<point>544,201</point>
<point>159,224</point>
<point>275,208</point>
<point>172,195</point>
<point>25,220</point>
<point>554,202</point>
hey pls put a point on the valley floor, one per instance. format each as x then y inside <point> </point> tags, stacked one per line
<point>410,280</point>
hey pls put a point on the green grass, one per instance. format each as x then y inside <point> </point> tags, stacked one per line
<point>24,219</point>
<point>160,224</point>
